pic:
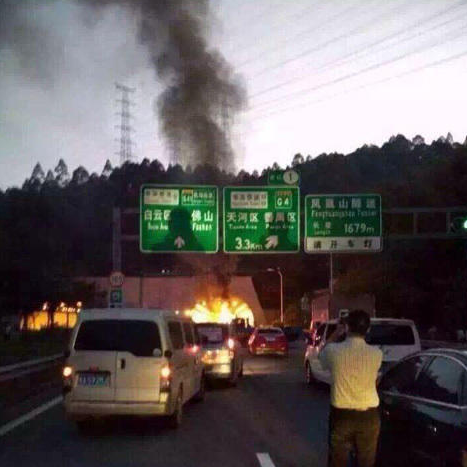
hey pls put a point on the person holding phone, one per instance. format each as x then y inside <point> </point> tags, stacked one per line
<point>354,421</point>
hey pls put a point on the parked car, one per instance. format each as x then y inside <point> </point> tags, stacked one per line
<point>131,362</point>
<point>424,410</point>
<point>221,352</point>
<point>397,338</point>
<point>268,340</point>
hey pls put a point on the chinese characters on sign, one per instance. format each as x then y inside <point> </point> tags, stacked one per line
<point>343,223</point>
<point>261,219</point>
<point>178,219</point>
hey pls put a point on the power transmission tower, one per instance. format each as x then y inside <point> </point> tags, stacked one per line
<point>126,153</point>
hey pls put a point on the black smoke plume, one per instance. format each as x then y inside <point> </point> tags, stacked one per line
<point>201,95</point>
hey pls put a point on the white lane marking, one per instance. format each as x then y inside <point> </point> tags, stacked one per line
<point>264,459</point>
<point>29,416</point>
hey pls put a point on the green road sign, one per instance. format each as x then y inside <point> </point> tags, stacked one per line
<point>179,219</point>
<point>343,223</point>
<point>262,219</point>
<point>116,297</point>
<point>283,177</point>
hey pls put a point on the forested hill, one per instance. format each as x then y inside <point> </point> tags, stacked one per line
<point>58,226</point>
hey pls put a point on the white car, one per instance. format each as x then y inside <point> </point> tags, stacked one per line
<point>131,362</point>
<point>397,338</point>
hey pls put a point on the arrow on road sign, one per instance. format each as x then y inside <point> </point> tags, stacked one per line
<point>272,241</point>
<point>179,242</point>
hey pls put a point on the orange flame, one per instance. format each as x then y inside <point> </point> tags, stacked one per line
<point>220,310</point>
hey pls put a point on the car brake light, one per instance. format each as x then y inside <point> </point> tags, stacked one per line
<point>67,371</point>
<point>165,379</point>
<point>230,343</point>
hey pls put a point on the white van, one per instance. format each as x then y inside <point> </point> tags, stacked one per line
<point>396,338</point>
<point>132,362</point>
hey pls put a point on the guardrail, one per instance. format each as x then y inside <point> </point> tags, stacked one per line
<point>29,366</point>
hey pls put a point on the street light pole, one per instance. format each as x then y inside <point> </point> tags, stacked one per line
<point>281,277</point>
<point>282,295</point>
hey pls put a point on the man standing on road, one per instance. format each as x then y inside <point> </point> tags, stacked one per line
<point>354,417</point>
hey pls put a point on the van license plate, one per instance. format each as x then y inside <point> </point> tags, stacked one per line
<point>93,380</point>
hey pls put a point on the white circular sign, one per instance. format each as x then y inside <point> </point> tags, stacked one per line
<point>291,177</point>
<point>116,279</point>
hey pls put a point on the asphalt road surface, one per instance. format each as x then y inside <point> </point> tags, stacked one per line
<point>271,412</point>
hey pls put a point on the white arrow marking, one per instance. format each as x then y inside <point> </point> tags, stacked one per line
<point>179,242</point>
<point>272,241</point>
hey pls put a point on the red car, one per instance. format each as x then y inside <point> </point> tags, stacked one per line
<point>268,340</point>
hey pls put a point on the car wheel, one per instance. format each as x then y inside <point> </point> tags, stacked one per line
<point>175,420</point>
<point>310,379</point>
<point>199,396</point>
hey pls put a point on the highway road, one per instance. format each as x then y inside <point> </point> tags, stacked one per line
<point>270,419</point>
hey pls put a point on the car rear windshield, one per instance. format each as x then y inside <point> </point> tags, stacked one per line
<point>269,331</point>
<point>390,334</point>
<point>137,337</point>
<point>213,333</point>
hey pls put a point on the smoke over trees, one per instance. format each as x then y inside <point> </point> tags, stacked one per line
<point>201,95</point>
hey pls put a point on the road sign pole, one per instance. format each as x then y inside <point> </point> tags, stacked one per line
<point>331,274</point>
<point>116,240</point>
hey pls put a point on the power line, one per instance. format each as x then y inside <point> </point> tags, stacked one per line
<point>321,46</point>
<point>359,72</point>
<point>316,27</point>
<point>363,86</point>
<point>366,50</point>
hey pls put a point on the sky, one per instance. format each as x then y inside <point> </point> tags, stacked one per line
<point>320,75</point>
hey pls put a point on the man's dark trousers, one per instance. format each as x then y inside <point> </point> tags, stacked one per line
<point>353,429</point>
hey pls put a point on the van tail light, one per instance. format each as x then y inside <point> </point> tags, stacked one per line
<point>165,379</point>
<point>67,374</point>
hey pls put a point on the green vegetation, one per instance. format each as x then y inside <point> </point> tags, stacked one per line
<point>56,228</point>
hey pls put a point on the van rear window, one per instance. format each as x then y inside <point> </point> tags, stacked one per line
<point>213,333</point>
<point>390,334</point>
<point>137,337</point>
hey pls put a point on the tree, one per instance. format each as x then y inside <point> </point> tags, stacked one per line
<point>297,160</point>
<point>107,170</point>
<point>449,139</point>
<point>49,178</point>
<point>62,176</point>
<point>36,180</point>
<point>80,176</point>
<point>418,140</point>
<point>38,173</point>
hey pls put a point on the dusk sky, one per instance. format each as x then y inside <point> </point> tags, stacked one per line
<point>321,76</point>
